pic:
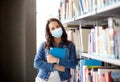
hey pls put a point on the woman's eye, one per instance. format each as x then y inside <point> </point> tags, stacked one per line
<point>52,28</point>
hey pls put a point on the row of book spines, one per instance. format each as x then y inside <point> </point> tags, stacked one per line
<point>90,5</point>
<point>71,8</point>
<point>99,74</point>
<point>74,36</point>
<point>68,9</point>
<point>105,42</point>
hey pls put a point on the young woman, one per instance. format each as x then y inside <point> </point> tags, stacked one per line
<point>50,68</point>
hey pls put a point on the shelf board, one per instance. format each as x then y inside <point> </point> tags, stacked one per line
<point>107,60</point>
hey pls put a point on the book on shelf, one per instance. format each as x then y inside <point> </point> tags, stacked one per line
<point>100,4</point>
<point>92,41</point>
<point>94,73</point>
<point>67,9</point>
<point>99,74</point>
<point>76,7</point>
<point>104,41</point>
<point>114,30</point>
<point>84,36</point>
<point>81,7</point>
<point>64,9</point>
<point>70,7</point>
<point>100,41</point>
<point>74,36</point>
<point>90,62</point>
<point>108,74</point>
<point>58,52</point>
<point>115,76</point>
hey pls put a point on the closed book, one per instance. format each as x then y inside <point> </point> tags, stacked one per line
<point>90,62</point>
<point>58,52</point>
<point>108,74</point>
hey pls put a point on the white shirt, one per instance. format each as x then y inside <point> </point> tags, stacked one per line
<point>54,77</point>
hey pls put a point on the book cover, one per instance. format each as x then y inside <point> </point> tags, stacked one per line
<point>105,74</point>
<point>90,62</point>
<point>94,72</point>
<point>84,36</point>
<point>58,52</point>
<point>115,76</point>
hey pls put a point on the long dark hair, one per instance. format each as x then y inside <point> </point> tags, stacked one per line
<point>49,37</point>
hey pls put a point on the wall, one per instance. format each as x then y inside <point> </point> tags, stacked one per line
<point>17,40</point>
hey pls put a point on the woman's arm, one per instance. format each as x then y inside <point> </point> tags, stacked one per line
<point>40,61</point>
<point>59,68</point>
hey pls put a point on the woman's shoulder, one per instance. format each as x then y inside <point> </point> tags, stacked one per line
<point>42,44</point>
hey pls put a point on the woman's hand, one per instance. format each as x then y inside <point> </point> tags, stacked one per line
<point>59,68</point>
<point>52,59</point>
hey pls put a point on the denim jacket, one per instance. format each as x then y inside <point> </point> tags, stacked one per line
<point>45,68</point>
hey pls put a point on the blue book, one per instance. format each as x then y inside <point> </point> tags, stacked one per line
<point>58,52</point>
<point>90,62</point>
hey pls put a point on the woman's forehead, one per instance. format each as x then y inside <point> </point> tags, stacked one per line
<point>54,23</point>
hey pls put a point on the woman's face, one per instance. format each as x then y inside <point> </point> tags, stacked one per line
<point>53,25</point>
<point>55,29</point>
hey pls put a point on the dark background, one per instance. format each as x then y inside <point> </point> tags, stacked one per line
<point>17,40</point>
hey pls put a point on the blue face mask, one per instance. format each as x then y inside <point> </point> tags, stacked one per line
<point>57,32</point>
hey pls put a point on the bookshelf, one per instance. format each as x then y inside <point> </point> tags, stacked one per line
<point>94,15</point>
<point>97,16</point>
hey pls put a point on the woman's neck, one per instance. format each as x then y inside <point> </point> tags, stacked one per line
<point>57,41</point>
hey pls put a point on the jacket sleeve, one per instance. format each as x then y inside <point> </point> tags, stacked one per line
<point>40,61</point>
<point>71,62</point>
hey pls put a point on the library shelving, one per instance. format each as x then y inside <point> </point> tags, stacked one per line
<point>92,15</point>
